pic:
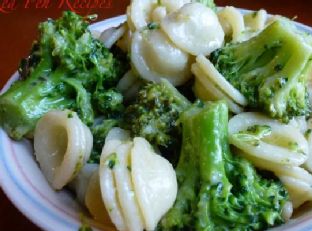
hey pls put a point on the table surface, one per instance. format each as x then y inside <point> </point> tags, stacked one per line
<point>18,28</point>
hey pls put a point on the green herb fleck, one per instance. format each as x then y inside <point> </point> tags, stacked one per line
<point>153,26</point>
<point>253,134</point>
<point>112,160</point>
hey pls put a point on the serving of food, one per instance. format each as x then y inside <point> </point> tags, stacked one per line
<point>178,116</point>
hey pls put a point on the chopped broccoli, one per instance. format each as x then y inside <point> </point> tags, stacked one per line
<point>109,102</point>
<point>99,133</point>
<point>217,190</point>
<point>67,68</point>
<point>270,70</point>
<point>155,112</point>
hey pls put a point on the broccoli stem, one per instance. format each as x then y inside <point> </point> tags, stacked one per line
<point>217,190</point>
<point>26,101</point>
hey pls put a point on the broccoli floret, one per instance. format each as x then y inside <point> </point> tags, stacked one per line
<point>99,133</point>
<point>154,113</point>
<point>270,70</point>
<point>65,68</point>
<point>109,102</point>
<point>217,190</point>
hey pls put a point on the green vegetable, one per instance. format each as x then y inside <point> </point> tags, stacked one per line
<point>217,190</point>
<point>100,132</point>
<point>155,112</point>
<point>254,134</point>
<point>270,70</point>
<point>67,68</point>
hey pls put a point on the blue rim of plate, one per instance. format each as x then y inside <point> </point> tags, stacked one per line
<point>56,218</point>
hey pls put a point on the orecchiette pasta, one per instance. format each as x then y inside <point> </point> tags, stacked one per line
<point>206,90</point>
<point>277,147</point>
<point>159,13</point>
<point>107,182</point>
<point>148,50</point>
<point>256,21</point>
<point>93,200</point>
<point>129,85</point>
<point>217,79</point>
<point>154,182</point>
<point>138,186</point>
<point>173,5</point>
<point>194,28</point>
<point>232,22</point>
<point>139,13</point>
<point>62,146</point>
<point>110,36</point>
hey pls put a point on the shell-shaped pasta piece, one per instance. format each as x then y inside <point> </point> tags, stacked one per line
<point>194,28</point>
<point>277,147</point>
<point>205,90</point>
<point>110,36</point>
<point>129,85</point>
<point>281,170</point>
<point>154,57</point>
<point>124,43</point>
<point>159,13</point>
<point>154,182</point>
<point>115,137</point>
<point>173,5</point>
<point>256,20</point>
<point>139,13</point>
<point>62,146</point>
<point>81,182</point>
<point>126,194</point>
<point>287,211</point>
<point>217,79</point>
<point>94,201</point>
<point>299,191</point>
<point>232,22</point>
<point>109,196</point>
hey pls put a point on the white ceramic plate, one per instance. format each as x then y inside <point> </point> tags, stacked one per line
<point>23,182</point>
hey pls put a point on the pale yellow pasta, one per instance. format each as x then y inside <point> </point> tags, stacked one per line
<point>110,36</point>
<point>94,202</point>
<point>205,90</point>
<point>154,181</point>
<point>80,184</point>
<point>148,50</point>
<point>159,13</point>
<point>173,5</point>
<point>62,146</point>
<point>140,12</point>
<point>124,43</point>
<point>270,151</point>
<point>126,195</point>
<point>218,80</point>
<point>256,21</point>
<point>299,191</point>
<point>287,211</point>
<point>114,138</point>
<point>194,28</point>
<point>232,22</point>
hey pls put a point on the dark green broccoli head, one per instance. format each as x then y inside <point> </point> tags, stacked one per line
<point>65,68</point>
<point>155,112</point>
<point>270,70</point>
<point>217,190</point>
<point>108,102</point>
